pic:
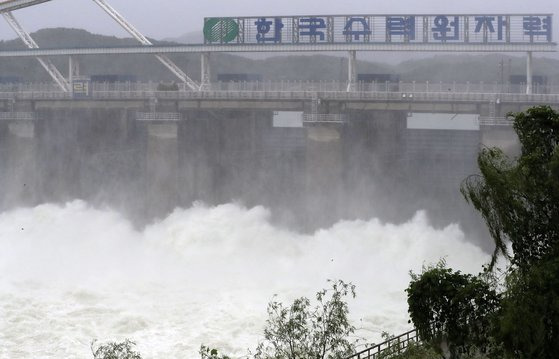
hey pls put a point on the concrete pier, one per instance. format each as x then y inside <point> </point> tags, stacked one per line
<point>18,163</point>
<point>242,156</point>
<point>324,173</point>
<point>197,158</point>
<point>373,150</point>
<point>161,168</point>
<point>58,155</point>
<point>222,156</point>
<point>108,159</point>
<point>86,154</point>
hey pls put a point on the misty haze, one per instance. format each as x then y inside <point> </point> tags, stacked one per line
<point>167,167</point>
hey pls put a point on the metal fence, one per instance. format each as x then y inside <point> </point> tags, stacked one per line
<point>295,90</point>
<point>337,86</point>
<point>17,116</point>
<point>296,86</point>
<point>311,118</point>
<point>158,116</point>
<point>391,347</point>
<point>495,121</point>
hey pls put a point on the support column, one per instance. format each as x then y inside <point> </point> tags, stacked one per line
<point>198,145</point>
<point>205,71</point>
<point>105,157</point>
<point>73,69</point>
<point>162,162</point>
<point>58,154</point>
<point>324,173</point>
<point>529,80</point>
<point>19,169</point>
<point>352,70</point>
<point>374,150</point>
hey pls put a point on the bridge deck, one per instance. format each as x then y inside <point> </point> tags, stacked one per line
<point>414,97</point>
<point>202,48</point>
<point>292,95</point>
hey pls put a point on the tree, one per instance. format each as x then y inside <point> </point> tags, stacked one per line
<point>211,353</point>
<point>529,320</point>
<point>301,331</point>
<point>114,350</point>
<point>452,311</point>
<point>519,200</point>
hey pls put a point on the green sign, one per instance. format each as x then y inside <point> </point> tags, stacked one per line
<point>221,30</point>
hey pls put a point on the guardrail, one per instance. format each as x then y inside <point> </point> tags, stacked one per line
<point>294,95</point>
<point>495,121</point>
<point>158,116</point>
<point>413,86</point>
<point>17,116</point>
<point>391,347</point>
<point>311,118</point>
<point>286,90</point>
<point>298,86</point>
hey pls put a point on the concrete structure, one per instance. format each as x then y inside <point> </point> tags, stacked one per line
<point>146,151</point>
<point>488,100</point>
<point>18,162</point>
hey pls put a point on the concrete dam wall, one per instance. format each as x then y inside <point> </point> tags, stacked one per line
<point>309,176</point>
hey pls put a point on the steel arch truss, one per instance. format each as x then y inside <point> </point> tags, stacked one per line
<point>30,43</point>
<point>7,6</point>
<point>144,41</point>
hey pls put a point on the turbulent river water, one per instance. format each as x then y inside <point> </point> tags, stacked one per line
<point>72,273</point>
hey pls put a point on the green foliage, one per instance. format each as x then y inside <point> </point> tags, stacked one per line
<point>529,322</point>
<point>114,350</point>
<point>301,331</point>
<point>413,351</point>
<point>519,200</point>
<point>452,309</point>
<point>211,353</point>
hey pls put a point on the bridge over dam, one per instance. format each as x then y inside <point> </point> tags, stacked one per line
<point>493,99</point>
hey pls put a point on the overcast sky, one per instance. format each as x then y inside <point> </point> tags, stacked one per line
<point>171,18</point>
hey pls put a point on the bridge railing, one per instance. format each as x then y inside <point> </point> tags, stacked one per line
<point>391,347</point>
<point>17,116</point>
<point>292,96</point>
<point>495,121</point>
<point>336,86</point>
<point>316,118</point>
<point>308,95</point>
<point>402,91</point>
<point>158,116</point>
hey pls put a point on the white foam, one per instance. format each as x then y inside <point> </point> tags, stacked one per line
<point>72,273</point>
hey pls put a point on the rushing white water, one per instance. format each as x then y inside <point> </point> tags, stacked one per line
<point>71,273</point>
